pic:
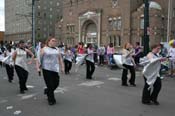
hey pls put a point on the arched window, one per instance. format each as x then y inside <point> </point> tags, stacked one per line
<point>155,5</point>
<point>115,23</point>
<point>116,40</point>
<point>70,40</point>
<point>119,25</point>
<point>142,21</point>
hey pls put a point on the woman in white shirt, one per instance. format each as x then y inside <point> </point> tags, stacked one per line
<point>128,64</point>
<point>20,61</point>
<point>68,60</point>
<point>9,63</point>
<point>51,60</point>
<point>152,78</point>
<point>90,62</point>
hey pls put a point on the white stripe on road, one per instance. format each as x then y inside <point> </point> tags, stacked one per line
<point>9,107</point>
<point>30,86</point>
<point>27,96</point>
<point>114,79</point>
<point>17,112</point>
<point>60,90</point>
<point>91,83</point>
<point>3,101</point>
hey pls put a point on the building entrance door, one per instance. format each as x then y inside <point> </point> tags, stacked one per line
<point>91,33</point>
<point>91,37</point>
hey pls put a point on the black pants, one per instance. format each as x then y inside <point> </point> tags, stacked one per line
<point>101,58</point>
<point>90,69</point>
<point>67,66</point>
<point>147,96</point>
<point>10,72</point>
<point>52,80</point>
<point>22,75</point>
<point>95,58</point>
<point>1,64</point>
<point>125,73</point>
<point>136,59</point>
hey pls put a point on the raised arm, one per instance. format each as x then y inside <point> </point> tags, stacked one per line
<point>30,53</point>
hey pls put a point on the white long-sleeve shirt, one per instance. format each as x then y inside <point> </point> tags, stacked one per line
<point>90,56</point>
<point>21,59</point>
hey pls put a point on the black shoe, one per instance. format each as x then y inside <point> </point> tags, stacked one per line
<point>88,77</point>
<point>22,91</point>
<point>146,103</point>
<point>52,102</point>
<point>45,91</point>
<point>134,85</point>
<point>124,84</point>
<point>156,103</point>
<point>26,89</point>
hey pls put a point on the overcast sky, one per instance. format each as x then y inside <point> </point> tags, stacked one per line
<point>2,28</point>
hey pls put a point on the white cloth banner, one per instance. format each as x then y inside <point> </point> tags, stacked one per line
<point>79,60</point>
<point>118,58</point>
<point>5,59</point>
<point>151,71</point>
<point>38,52</point>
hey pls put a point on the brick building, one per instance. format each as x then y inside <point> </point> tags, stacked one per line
<point>116,21</point>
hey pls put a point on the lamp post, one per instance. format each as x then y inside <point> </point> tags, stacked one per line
<point>169,22</point>
<point>146,27</point>
<point>33,23</point>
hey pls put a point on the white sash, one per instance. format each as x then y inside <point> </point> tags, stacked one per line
<point>151,71</point>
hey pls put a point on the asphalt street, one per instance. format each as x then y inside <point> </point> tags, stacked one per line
<point>76,96</point>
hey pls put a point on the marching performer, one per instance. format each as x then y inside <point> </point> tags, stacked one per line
<point>19,57</point>
<point>90,62</point>
<point>152,77</point>
<point>9,64</point>
<point>51,60</point>
<point>128,64</point>
<point>68,60</point>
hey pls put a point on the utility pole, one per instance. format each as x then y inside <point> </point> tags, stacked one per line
<point>146,27</point>
<point>169,20</point>
<point>33,23</point>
